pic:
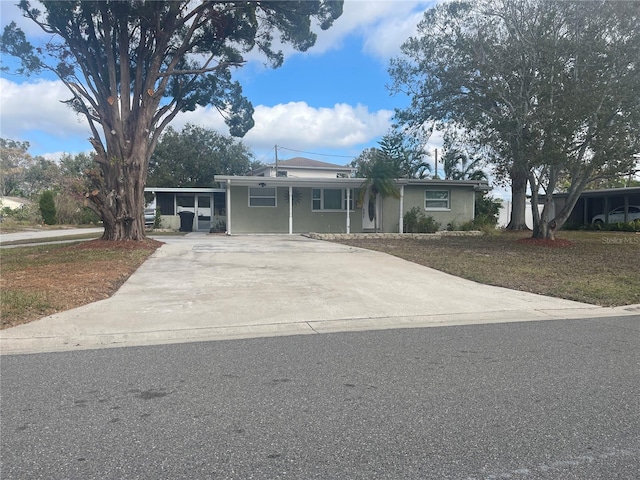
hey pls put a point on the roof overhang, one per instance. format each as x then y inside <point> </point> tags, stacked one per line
<point>604,192</point>
<point>251,181</point>
<point>288,181</point>
<point>182,190</point>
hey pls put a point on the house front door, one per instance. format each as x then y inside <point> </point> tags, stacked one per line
<point>370,211</point>
<point>203,212</point>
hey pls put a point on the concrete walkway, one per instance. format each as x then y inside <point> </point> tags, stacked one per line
<point>207,287</point>
<point>40,234</point>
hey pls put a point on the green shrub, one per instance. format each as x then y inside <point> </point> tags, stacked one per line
<point>48,207</point>
<point>88,217</point>
<point>157,220</point>
<point>427,224</point>
<point>28,214</point>
<point>219,227</point>
<point>416,222</point>
<point>70,210</point>
<point>410,220</point>
<point>487,210</point>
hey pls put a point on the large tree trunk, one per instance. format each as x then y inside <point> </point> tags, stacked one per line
<point>123,217</point>
<point>552,221</point>
<point>118,194</point>
<point>547,224</point>
<point>518,200</point>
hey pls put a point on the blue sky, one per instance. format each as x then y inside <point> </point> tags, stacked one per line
<point>331,100</point>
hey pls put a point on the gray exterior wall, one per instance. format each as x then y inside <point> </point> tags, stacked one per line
<point>461,203</point>
<point>245,219</point>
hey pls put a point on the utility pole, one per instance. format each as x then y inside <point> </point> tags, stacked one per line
<point>436,169</point>
<point>276,149</point>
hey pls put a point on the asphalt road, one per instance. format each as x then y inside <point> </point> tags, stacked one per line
<point>532,400</point>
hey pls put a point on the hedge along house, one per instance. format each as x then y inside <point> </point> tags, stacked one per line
<point>279,204</point>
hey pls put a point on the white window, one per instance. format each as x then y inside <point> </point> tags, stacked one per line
<point>437,200</point>
<point>331,199</point>
<point>262,197</point>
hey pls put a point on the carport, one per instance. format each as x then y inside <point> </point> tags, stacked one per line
<point>190,209</point>
<point>596,202</point>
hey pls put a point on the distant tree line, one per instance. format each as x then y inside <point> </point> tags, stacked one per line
<point>189,158</point>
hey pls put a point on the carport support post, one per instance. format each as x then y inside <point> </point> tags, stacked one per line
<point>626,208</point>
<point>228,207</point>
<point>348,211</point>
<point>401,218</point>
<point>290,210</point>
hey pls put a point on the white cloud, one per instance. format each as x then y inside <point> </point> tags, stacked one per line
<point>383,25</point>
<point>297,125</point>
<point>37,106</point>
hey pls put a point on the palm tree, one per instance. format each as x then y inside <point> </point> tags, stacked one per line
<point>458,166</point>
<point>406,153</point>
<point>379,173</point>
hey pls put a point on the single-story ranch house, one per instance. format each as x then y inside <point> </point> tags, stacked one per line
<point>327,201</point>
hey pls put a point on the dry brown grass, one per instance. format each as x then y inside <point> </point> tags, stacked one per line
<point>42,280</point>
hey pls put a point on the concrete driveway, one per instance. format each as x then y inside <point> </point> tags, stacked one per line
<point>205,287</point>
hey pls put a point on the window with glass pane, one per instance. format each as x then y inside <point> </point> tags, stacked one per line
<point>262,197</point>
<point>316,199</point>
<point>185,201</point>
<point>332,199</point>
<point>437,199</point>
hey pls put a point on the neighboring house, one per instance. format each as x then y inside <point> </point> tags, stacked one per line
<point>300,167</point>
<point>312,197</point>
<point>14,203</point>
<point>596,202</point>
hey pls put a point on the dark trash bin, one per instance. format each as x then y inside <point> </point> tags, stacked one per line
<point>186,221</point>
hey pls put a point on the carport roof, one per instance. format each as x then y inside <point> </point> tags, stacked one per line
<point>604,192</point>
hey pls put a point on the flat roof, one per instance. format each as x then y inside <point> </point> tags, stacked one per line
<point>250,181</point>
<point>604,192</point>
<point>182,190</point>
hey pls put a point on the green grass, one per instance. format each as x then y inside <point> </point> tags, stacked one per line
<point>26,258</point>
<point>601,268</point>
<point>17,304</point>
